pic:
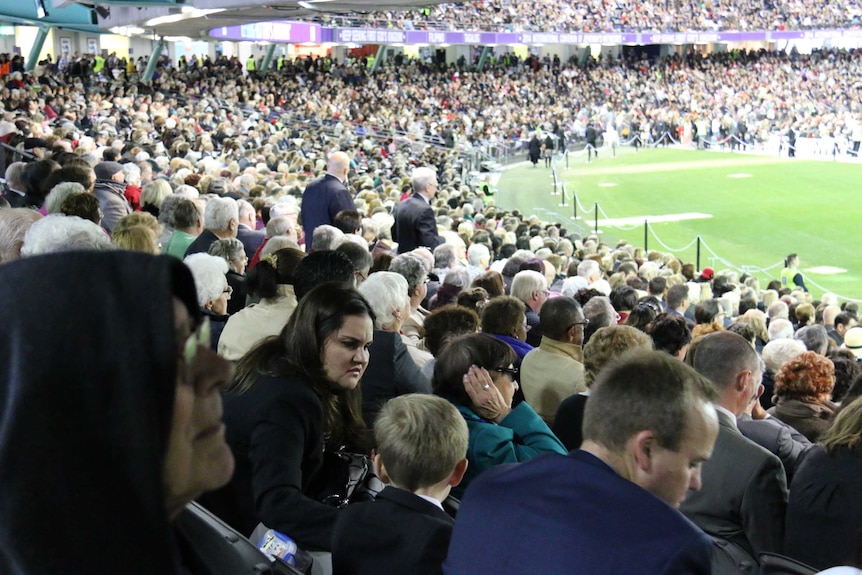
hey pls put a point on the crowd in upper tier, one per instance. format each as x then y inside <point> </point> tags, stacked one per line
<point>750,95</point>
<point>624,16</point>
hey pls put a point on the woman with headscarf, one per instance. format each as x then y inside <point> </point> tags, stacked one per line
<point>103,446</point>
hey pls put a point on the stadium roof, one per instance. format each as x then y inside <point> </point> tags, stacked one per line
<point>192,18</point>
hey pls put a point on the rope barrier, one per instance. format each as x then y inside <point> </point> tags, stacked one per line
<point>665,246</point>
<point>808,280</point>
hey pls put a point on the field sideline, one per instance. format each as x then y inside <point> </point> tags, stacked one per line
<point>749,210</point>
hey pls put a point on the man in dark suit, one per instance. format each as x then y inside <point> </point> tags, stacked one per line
<point>421,449</point>
<point>744,493</point>
<point>415,225</point>
<point>246,233</point>
<point>326,196</point>
<point>221,220</point>
<point>609,506</point>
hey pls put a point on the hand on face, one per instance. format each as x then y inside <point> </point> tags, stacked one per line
<point>486,397</point>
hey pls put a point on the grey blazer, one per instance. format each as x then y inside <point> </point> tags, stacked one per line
<point>743,498</point>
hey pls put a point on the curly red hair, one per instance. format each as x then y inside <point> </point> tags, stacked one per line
<point>807,377</point>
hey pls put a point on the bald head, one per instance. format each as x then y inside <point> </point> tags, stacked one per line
<point>829,314</point>
<point>338,165</point>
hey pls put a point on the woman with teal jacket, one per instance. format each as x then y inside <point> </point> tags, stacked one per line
<point>476,374</point>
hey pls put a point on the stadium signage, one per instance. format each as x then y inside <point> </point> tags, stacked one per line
<point>297,32</point>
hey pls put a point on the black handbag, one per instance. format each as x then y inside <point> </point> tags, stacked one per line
<point>347,478</point>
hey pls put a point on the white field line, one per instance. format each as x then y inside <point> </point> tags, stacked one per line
<point>635,220</point>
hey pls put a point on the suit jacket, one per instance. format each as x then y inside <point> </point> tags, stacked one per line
<point>322,199</point>
<point>744,493</point>
<point>569,420</point>
<point>415,225</point>
<point>570,514</point>
<point>534,335</point>
<point>250,239</point>
<point>776,436</point>
<point>15,199</point>
<point>202,243</point>
<point>551,373</point>
<point>399,532</point>
<point>824,514</point>
<point>391,372</point>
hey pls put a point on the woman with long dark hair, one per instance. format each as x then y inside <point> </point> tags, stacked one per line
<point>295,396</point>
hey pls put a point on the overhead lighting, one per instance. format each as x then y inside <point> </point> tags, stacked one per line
<point>186,14</point>
<point>177,39</point>
<point>127,30</point>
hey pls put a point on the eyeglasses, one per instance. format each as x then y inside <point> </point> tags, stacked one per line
<point>228,290</point>
<point>510,371</point>
<point>199,337</point>
<point>583,324</point>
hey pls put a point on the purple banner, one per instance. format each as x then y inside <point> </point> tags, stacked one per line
<point>300,32</point>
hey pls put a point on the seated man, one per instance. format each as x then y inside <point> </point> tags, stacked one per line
<point>555,370</point>
<point>609,506</point>
<point>744,495</point>
<point>421,453</point>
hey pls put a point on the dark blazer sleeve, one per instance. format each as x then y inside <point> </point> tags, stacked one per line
<point>408,377</point>
<point>281,441</point>
<point>764,505</point>
<point>426,229</point>
<point>694,558</point>
<point>339,200</point>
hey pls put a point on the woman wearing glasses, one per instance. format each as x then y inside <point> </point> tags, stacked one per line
<point>213,290</point>
<point>475,372</point>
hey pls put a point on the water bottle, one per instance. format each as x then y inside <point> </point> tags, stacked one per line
<point>278,545</point>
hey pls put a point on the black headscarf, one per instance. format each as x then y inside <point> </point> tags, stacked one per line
<point>87,384</point>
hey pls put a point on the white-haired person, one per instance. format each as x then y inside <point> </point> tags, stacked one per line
<point>478,258</point>
<point>221,220</point>
<point>213,290</point>
<point>57,233</point>
<point>233,252</point>
<point>392,370</point>
<point>592,272</point>
<point>531,287</point>
<point>413,269</point>
<point>132,174</point>
<point>54,199</point>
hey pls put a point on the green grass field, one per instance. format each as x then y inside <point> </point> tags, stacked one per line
<point>760,208</point>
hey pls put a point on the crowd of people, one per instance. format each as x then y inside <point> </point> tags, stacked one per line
<point>623,16</point>
<point>312,299</point>
<point>427,110</point>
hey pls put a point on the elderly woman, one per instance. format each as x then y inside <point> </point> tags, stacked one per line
<point>271,280</point>
<point>393,368</point>
<point>213,290</point>
<point>136,239</point>
<point>232,251</point>
<point>413,270</point>
<point>803,387</point>
<point>824,511</point>
<point>128,437</point>
<point>475,372</point>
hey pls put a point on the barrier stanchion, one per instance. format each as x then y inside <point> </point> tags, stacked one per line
<point>596,218</point>
<point>698,253</point>
<point>575,205</point>
<point>563,189</point>
<point>646,235</point>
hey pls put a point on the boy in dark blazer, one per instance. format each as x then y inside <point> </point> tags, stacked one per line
<point>421,454</point>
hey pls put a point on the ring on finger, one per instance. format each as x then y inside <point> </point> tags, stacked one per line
<point>486,387</point>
